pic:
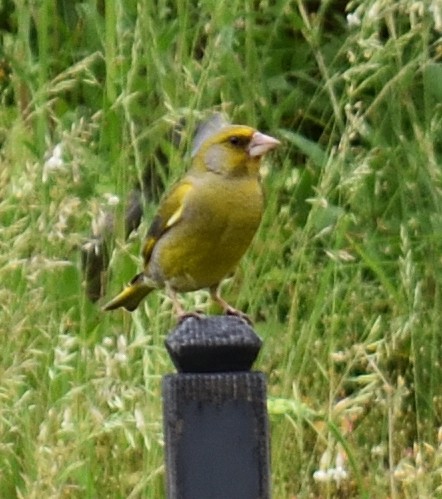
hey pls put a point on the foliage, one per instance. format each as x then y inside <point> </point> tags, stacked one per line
<point>343,280</point>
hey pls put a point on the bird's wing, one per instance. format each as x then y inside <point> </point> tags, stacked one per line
<point>169,213</point>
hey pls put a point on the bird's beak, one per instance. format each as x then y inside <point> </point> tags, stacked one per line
<point>261,143</point>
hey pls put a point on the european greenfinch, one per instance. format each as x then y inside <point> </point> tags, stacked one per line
<point>207,221</point>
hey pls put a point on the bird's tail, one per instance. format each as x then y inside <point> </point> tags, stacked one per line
<point>139,287</point>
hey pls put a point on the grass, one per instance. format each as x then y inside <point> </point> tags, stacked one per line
<point>343,280</point>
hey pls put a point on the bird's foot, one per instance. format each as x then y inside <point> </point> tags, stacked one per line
<point>238,313</point>
<point>228,309</point>
<point>182,316</point>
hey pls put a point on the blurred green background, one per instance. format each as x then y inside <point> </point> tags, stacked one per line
<point>343,280</point>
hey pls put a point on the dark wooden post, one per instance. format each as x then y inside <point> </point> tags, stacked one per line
<point>215,417</point>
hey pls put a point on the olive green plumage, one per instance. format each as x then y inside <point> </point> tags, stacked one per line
<point>207,221</point>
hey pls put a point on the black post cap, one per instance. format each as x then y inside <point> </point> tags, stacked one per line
<point>213,344</point>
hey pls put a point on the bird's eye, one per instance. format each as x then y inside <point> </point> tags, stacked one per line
<point>235,141</point>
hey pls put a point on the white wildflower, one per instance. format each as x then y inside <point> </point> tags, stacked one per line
<point>108,341</point>
<point>339,474</point>
<point>353,20</point>
<point>321,476</point>
<point>327,473</point>
<point>111,199</point>
<point>54,162</point>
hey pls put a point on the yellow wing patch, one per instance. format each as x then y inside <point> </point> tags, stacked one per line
<point>175,217</point>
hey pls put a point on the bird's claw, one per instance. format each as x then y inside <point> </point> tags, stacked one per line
<point>187,315</point>
<point>237,313</point>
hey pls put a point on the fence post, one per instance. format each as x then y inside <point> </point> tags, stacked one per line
<point>215,417</point>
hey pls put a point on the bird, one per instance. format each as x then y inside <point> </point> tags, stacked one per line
<point>208,219</point>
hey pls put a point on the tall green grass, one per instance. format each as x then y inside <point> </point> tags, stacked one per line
<point>343,280</point>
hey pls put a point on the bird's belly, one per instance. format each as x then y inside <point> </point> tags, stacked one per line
<point>206,247</point>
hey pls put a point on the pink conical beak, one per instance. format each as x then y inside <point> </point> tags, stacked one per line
<point>261,143</point>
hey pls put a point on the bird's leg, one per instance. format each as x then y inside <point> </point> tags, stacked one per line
<point>177,307</point>
<point>227,309</point>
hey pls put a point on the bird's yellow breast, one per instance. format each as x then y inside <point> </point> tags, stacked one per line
<point>219,219</point>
